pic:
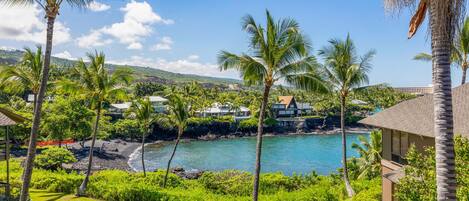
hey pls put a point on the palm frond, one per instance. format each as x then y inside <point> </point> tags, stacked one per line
<point>423,57</point>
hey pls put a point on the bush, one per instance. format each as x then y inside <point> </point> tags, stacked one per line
<point>126,128</point>
<point>52,158</point>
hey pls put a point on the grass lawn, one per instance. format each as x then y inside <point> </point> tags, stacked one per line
<point>41,195</point>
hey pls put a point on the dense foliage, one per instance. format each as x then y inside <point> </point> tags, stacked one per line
<point>420,180</point>
<point>52,158</point>
<point>117,185</point>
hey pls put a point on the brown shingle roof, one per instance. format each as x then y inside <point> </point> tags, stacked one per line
<point>416,115</point>
<point>8,118</point>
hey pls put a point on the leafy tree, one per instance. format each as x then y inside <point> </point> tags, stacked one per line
<point>444,18</point>
<point>279,51</point>
<point>147,88</point>
<point>94,82</point>
<point>53,157</point>
<point>345,71</point>
<point>369,162</point>
<point>144,113</point>
<point>126,128</point>
<point>51,8</point>
<point>178,116</point>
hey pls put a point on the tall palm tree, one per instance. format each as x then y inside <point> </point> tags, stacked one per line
<point>370,154</point>
<point>94,82</point>
<point>444,18</point>
<point>51,9</point>
<point>144,113</point>
<point>460,51</point>
<point>278,52</point>
<point>178,115</point>
<point>345,71</point>
<point>27,74</point>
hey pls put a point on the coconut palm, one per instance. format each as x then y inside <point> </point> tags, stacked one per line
<point>94,82</point>
<point>345,71</point>
<point>144,113</point>
<point>278,51</point>
<point>445,16</point>
<point>178,115</point>
<point>27,74</point>
<point>370,155</point>
<point>460,51</point>
<point>51,9</point>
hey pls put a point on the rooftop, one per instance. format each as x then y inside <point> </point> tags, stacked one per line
<point>416,115</point>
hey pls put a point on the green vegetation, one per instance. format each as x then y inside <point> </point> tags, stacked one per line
<point>52,158</point>
<point>229,185</point>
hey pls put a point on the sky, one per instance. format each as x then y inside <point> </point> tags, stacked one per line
<point>185,36</point>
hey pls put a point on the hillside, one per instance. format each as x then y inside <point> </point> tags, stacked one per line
<point>11,57</point>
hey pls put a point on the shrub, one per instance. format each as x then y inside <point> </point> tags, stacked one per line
<point>52,158</point>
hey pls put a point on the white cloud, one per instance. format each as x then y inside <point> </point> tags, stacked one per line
<point>65,55</point>
<point>185,66</point>
<point>98,7</point>
<point>26,23</point>
<point>94,39</point>
<point>165,44</point>
<point>138,18</point>
<point>193,57</point>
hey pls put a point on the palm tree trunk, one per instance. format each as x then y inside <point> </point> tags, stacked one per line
<point>172,156</point>
<point>348,187</point>
<point>28,171</point>
<point>82,189</point>
<point>440,24</point>
<point>464,71</point>
<point>143,158</point>
<point>260,129</point>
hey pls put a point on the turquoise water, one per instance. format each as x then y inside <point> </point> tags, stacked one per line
<point>287,154</point>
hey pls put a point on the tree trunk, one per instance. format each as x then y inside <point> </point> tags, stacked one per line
<point>28,171</point>
<point>260,129</point>
<point>441,30</point>
<point>171,158</point>
<point>7,159</point>
<point>143,158</point>
<point>82,189</point>
<point>464,71</point>
<point>348,187</point>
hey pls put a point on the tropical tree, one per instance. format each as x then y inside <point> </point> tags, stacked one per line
<point>460,51</point>
<point>144,113</point>
<point>94,82</point>
<point>51,9</point>
<point>370,155</point>
<point>178,115</point>
<point>278,52</point>
<point>445,16</point>
<point>345,71</point>
<point>27,75</point>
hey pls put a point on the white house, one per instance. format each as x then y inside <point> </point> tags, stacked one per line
<point>218,110</point>
<point>159,103</point>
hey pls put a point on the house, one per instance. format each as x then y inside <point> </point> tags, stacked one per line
<point>411,122</point>
<point>218,110</point>
<point>285,107</point>
<point>119,108</point>
<point>159,103</point>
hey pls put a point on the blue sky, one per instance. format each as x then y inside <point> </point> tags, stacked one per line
<point>185,35</point>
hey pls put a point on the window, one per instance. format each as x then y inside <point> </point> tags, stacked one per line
<point>399,146</point>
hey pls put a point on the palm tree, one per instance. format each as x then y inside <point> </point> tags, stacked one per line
<point>144,113</point>
<point>94,82</point>
<point>279,51</point>
<point>460,51</point>
<point>178,115</point>
<point>51,8</point>
<point>345,71</point>
<point>444,18</point>
<point>27,74</point>
<point>370,154</point>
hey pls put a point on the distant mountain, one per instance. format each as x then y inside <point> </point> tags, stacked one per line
<point>11,57</point>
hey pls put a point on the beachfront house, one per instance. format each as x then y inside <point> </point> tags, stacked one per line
<point>118,109</point>
<point>411,122</point>
<point>286,106</point>
<point>219,110</point>
<point>159,103</point>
